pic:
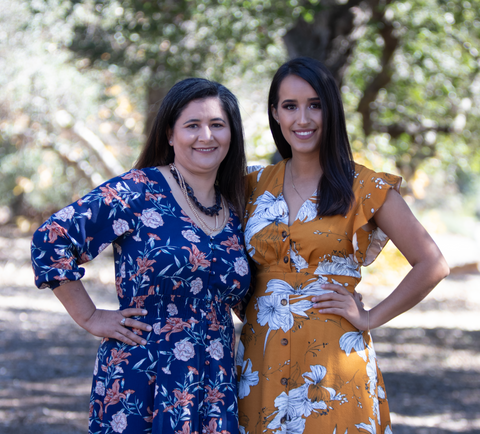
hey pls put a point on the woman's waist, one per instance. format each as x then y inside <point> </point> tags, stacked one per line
<point>300,283</point>
<point>178,305</point>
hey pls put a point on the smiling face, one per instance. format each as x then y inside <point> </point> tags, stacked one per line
<point>299,114</point>
<point>201,137</point>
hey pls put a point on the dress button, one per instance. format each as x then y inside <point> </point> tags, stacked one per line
<point>284,381</point>
<point>207,362</point>
<point>284,234</point>
<point>214,260</point>
<point>284,341</point>
<point>283,419</point>
<point>284,302</point>
<point>285,259</point>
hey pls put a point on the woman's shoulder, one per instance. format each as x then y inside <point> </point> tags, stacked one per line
<point>145,179</point>
<point>257,172</point>
<point>365,177</point>
<point>146,175</point>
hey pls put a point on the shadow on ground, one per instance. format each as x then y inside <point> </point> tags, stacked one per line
<point>46,372</point>
<point>432,375</point>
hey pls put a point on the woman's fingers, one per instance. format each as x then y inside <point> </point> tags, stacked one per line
<point>118,325</point>
<point>130,338</point>
<point>126,321</point>
<point>343,303</point>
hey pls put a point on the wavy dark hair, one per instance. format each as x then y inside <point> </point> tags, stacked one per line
<point>336,160</point>
<point>158,152</point>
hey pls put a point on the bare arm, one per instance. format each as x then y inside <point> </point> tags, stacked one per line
<point>98,322</point>
<point>428,269</point>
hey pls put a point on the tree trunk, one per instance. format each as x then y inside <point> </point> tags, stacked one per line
<point>332,35</point>
<point>155,97</point>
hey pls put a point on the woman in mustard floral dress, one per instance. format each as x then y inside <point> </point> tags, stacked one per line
<point>306,361</point>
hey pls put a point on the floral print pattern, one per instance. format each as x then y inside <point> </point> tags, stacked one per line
<point>300,371</point>
<point>183,379</point>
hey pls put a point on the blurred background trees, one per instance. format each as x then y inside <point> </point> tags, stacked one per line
<point>81,81</point>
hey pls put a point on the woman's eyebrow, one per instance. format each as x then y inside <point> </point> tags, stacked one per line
<point>198,120</point>
<point>294,100</point>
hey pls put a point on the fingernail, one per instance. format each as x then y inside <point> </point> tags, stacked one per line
<point>144,342</point>
<point>144,312</point>
<point>149,328</point>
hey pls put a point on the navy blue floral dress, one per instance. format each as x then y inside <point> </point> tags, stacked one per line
<point>183,380</point>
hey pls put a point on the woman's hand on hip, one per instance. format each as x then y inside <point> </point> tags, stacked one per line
<point>118,324</point>
<point>343,303</point>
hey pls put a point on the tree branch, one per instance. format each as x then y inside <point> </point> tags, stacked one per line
<point>384,76</point>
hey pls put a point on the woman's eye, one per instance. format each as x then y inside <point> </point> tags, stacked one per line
<point>217,125</point>
<point>192,126</point>
<point>289,106</point>
<point>316,105</point>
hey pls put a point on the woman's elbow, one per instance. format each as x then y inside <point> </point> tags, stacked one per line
<point>442,270</point>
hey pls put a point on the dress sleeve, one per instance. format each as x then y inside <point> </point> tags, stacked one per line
<point>79,232</point>
<point>370,189</point>
<point>252,178</point>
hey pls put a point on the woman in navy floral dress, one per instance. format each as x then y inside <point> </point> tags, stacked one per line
<point>165,364</point>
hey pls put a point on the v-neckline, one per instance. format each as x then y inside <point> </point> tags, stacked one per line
<point>283,195</point>
<point>188,215</point>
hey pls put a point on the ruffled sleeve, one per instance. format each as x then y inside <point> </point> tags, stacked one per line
<point>370,189</point>
<point>79,232</point>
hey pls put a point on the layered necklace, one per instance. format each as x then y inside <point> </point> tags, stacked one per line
<point>194,204</point>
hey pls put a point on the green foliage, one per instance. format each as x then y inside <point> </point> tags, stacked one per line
<point>164,41</point>
<point>43,163</point>
<point>427,117</point>
<point>93,64</point>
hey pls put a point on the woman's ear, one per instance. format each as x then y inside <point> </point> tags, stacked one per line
<point>275,114</point>
<point>170,136</point>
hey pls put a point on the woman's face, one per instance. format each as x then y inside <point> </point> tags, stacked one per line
<point>201,136</point>
<point>299,114</point>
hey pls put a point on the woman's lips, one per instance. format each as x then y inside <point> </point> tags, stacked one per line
<point>211,149</point>
<point>304,134</point>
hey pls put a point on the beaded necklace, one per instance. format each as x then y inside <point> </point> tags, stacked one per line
<point>205,226</point>
<point>210,211</point>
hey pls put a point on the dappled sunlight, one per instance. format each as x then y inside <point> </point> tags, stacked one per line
<point>446,421</point>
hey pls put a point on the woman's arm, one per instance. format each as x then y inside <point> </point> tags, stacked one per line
<point>98,322</point>
<point>428,268</point>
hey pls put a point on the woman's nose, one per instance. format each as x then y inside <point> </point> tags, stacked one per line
<point>303,117</point>
<point>205,134</point>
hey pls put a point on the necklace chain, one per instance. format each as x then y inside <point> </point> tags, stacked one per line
<point>205,226</point>
<point>293,184</point>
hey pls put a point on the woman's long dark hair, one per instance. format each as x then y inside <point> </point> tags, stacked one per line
<point>158,152</point>
<point>336,160</point>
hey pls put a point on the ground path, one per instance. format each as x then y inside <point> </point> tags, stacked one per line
<point>430,356</point>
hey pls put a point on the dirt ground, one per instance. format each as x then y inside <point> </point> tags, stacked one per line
<point>430,356</point>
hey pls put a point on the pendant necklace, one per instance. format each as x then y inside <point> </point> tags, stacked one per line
<point>293,185</point>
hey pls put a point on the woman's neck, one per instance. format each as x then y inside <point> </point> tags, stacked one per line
<point>201,183</point>
<point>304,167</point>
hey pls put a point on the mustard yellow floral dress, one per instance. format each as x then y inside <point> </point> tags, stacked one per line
<point>300,371</point>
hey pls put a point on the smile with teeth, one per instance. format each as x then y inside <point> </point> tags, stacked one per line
<point>205,149</point>
<point>304,134</point>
